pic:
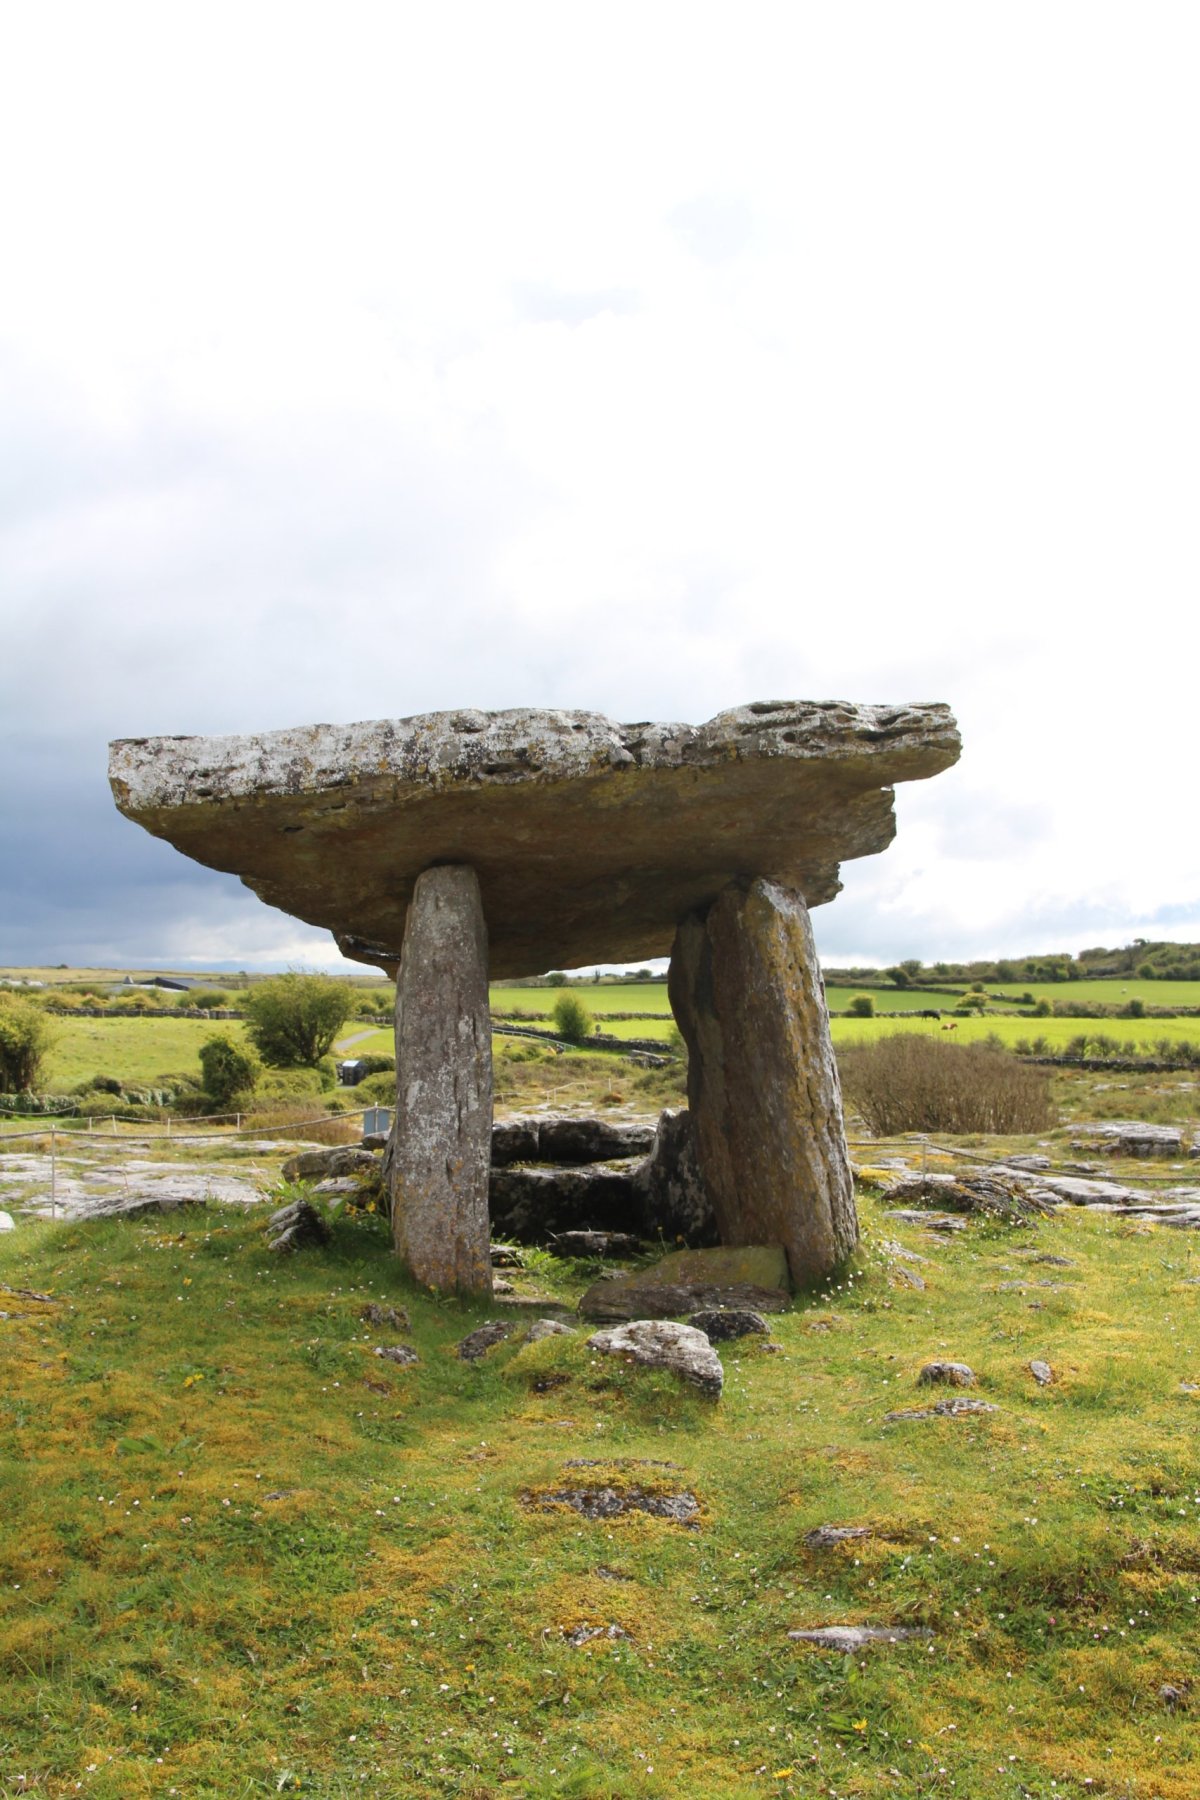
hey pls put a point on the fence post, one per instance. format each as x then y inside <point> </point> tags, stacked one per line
<point>53,1170</point>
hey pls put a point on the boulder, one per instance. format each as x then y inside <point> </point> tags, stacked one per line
<point>591,839</point>
<point>441,1144</point>
<point>544,1328</point>
<point>763,1089</point>
<point>477,1343</point>
<point>721,1326</point>
<point>296,1227</point>
<point>691,1280</point>
<point>330,1165</point>
<point>951,1374</point>
<point>661,1344</point>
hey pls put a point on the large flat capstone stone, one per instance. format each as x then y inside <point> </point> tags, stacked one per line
<point>591,840</point>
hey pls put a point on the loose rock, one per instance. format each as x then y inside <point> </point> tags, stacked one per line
<point>954,1374</point>
<point>477,1343</point>
<point>297,1227</point>
<point>325,1165</point>
<point>661,1344</point>
<point>403,1354</point>
<point>375,1314</point>
<point>579,1635</point>
<point>1041,1371</point>
<point>824,1537</point>
<point>544,1328</point>
<point>720,1325</point>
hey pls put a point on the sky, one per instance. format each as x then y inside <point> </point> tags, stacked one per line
<point>647,359</point>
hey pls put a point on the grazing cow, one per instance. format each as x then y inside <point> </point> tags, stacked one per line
<point>951,1027</point>
<point>929,1015</point>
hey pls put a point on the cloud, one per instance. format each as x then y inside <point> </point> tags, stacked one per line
<point>618,364</point>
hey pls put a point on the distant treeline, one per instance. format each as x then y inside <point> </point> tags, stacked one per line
<point>1144,960</point>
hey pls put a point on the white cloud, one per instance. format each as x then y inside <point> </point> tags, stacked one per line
<point>643,359</point>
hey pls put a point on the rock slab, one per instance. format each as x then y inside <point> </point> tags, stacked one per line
<point>763,1091</point>
<point>591,839</point>
<point>689,1281</point>
<point>440,1149</point>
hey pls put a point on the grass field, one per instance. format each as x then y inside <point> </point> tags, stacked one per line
<point>134,1050</point>
<point>241,1556</point>
<point>1140,1034</point>
<point>138,1050</point>
<point>638,996</point>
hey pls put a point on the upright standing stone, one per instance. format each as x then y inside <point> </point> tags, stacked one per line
<point>441,1148</point>
<point>763,1089</point>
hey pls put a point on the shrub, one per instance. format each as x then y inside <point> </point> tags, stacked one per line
<point>1042,1010</point>
<point>556,979</point>
<point>25,1037</point>
<point>376,1065</point>
<point>912,1083</point>
<point>205,999</point>
<point>375,1090</point>
<point>861,1007</point>
<point>572,1020</point>
<point>230,1067</point>
<point>293,1019</point>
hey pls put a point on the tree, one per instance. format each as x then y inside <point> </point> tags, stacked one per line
<point>25,1037</point>
<point>229,1067</point>
<point>292,1020</point>
<point>572,1020</point>
<point>556,978</point>
<point>861,1007</point>
<point>898,975</point>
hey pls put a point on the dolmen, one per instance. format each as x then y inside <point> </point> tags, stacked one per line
<point>454,848</point>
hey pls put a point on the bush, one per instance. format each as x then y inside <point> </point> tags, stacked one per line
<point>376,1065</point>
<point>230,1067</point>
<point>25,1037</point>
<point>205,999</point>
<point>375,1090</point>
<point>861,1007</point>
<point>293,1019</point>
<point>572,1020</point>
<point>912,1083</point>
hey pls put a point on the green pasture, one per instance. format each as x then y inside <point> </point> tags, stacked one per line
<point>1103,993</point>
<point>242,1555</point>
<point>1139,1034</point>
<point>640,996</point>
<point>889,999</point>
<point>133,1050</point>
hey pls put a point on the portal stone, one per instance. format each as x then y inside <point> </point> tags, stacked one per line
<point>441,1146</point>
<point>763,1090</point>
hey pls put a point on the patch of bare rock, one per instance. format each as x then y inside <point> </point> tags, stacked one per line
<point>857,1637</point>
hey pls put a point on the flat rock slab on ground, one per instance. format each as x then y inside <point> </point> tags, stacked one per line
<point>857,1637</point>
<point>591,839</point>
<point>687,1281</point>
<point>825,1537</point>
<point>112,1189</point>
<point>956,1408</point>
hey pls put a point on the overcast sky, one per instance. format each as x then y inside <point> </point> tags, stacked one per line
<point>367,360</point>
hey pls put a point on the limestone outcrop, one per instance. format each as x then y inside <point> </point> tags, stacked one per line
<point>591,840</point>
